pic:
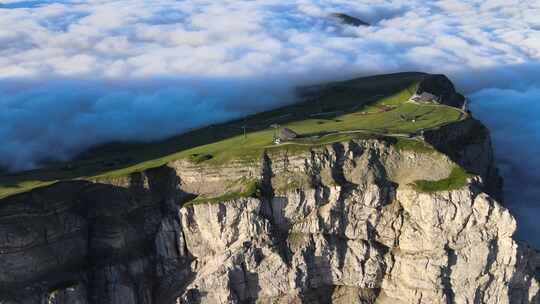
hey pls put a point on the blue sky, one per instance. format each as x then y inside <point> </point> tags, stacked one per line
<point>126,69</point>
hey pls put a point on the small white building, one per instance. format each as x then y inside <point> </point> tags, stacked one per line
<point>424,97</point>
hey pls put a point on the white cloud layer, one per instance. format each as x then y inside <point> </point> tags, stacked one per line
<point>78,73</point>
<point>128,38</point>
<point>513,118</point>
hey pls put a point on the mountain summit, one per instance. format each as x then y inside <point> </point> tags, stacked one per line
<point>371,197</point>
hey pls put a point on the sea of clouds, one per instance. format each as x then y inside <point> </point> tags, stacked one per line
<point>74,74</point>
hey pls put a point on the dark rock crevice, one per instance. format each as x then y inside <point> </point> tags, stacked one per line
<point>447,275</point>
<point>91,235</point>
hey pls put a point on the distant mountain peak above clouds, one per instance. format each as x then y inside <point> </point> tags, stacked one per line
<point>348,20</point>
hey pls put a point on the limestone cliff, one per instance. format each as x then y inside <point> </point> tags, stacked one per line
<point>342,223</point>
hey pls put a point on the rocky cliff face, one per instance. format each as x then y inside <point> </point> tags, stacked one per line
<point>335,224</point>
<point>443,88</point>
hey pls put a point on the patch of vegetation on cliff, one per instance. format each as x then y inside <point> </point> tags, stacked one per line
<point>286,182</point>
<point>249,188</point>
<point>198,158</point>
<point>456,180</point>
<point>291,185</point>
<point>403,144</point>
<point>120,180</point>
<point>297,239</point>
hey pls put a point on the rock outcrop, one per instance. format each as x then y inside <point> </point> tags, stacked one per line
<point>440,86</point>
<point>348,20</point>
<point>341,223</point>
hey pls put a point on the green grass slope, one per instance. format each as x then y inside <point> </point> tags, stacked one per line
<point>457,179</point>
<point>369,106</point>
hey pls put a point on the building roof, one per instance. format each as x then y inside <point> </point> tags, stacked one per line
<point>425,97</point>
<point>288,134</point>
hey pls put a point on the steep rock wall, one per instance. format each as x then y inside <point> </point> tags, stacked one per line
<point>335,224</point>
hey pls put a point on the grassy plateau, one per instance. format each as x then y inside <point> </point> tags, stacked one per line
<point>367,107</point>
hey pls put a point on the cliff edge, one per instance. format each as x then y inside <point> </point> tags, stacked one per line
<point>348,219</point>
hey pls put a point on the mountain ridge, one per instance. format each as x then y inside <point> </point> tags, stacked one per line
<point>345,218</point>
<point>367,93</point>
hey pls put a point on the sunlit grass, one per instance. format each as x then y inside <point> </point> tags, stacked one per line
<point>456,180</point>
<point>375,105</point>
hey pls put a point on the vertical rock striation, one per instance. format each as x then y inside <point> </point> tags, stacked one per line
<point>336,224</point>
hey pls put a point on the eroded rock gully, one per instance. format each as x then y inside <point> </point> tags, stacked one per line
<point>350,229</point>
